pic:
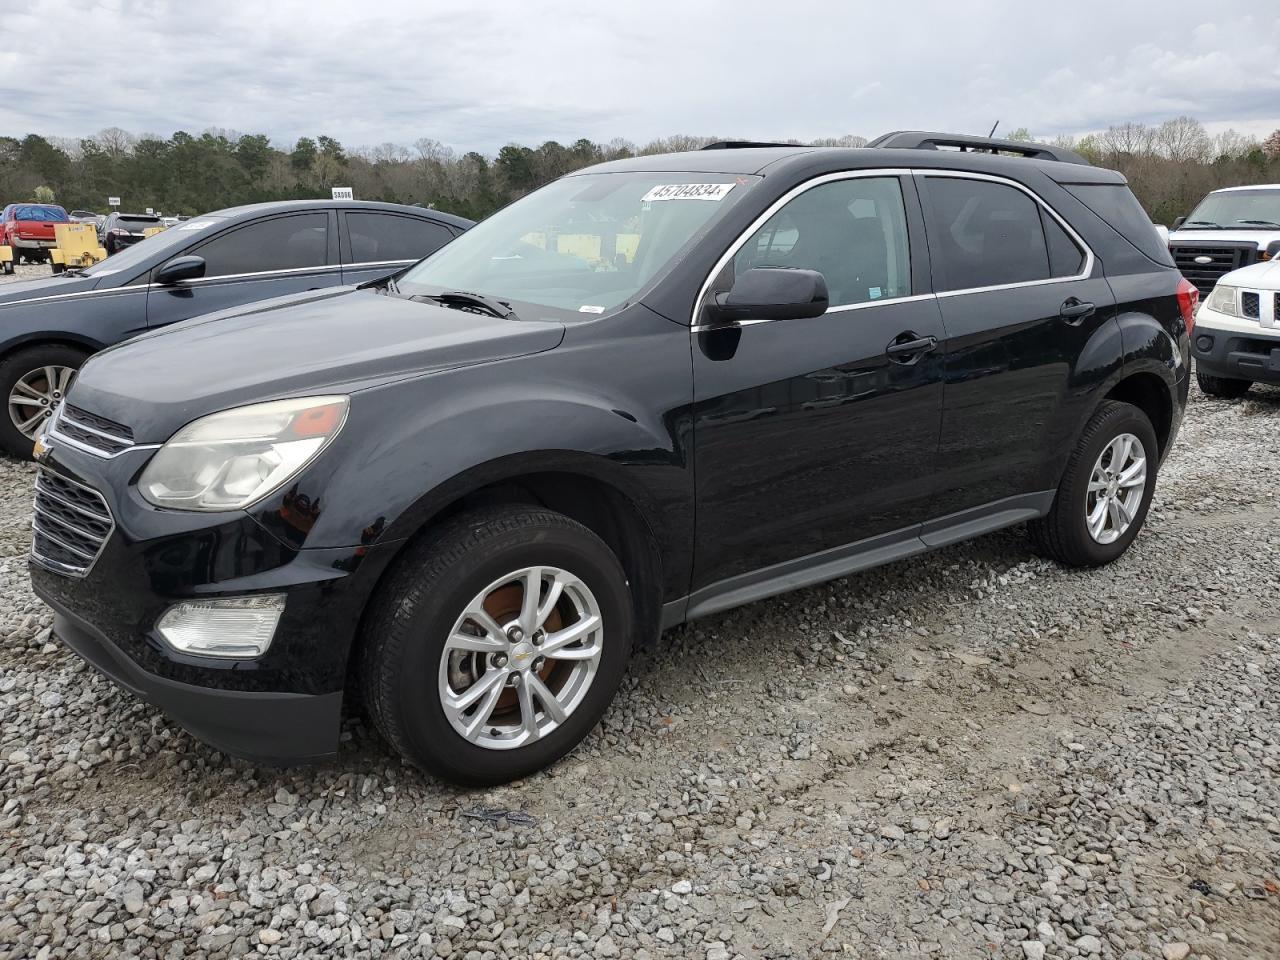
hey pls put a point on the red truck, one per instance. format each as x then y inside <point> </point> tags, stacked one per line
<point>28,228</point>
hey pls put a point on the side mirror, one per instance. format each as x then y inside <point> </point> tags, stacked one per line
<point>180,268</point>
<point>1163,233</point>
<point>1178,222</point>
<point>1273,250</point>
<point>771,293</point>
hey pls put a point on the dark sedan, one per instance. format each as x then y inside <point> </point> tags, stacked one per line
<point>120,230</point>
<point>224,259</point>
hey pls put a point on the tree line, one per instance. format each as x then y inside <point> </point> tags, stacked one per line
<point>1170,166</point>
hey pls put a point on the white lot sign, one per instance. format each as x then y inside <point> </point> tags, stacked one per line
<point>343,193</point>
<point>113,201</point>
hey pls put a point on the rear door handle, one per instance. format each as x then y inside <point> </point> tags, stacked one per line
<point>908,348</point>
<point>1074,311</point>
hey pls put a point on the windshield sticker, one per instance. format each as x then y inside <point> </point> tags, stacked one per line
<point>196,225</point>
<point>591,309</point>
<point>688,191</point>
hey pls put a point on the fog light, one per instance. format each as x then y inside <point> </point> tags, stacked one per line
<point>223,627</point>
<point>1204,344</point>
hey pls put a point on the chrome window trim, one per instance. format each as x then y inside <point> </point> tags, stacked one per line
<point>289,271</point>
<point>761,220</point>
<point>379,263</point>
<point>1086,271</point>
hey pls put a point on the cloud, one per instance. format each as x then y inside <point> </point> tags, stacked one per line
<point>477,75</point>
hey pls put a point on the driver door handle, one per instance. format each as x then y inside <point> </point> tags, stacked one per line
<point>908,347</point>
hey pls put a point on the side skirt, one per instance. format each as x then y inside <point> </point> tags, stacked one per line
<point>854,557</point>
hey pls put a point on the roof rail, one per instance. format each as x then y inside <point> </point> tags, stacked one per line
<point>919,140</point>
<point>746,144</point>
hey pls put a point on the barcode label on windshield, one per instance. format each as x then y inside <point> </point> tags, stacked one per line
<point>688,191</point>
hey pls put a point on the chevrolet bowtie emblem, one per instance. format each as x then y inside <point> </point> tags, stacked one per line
<point>41,449</point>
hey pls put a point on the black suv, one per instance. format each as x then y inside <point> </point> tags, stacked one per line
<point>648,392</point>
<point>222,259</point>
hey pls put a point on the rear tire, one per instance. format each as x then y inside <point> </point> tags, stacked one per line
<point>1224,387</point>
<point>1067,533</point>
<point>19,366</point>
<point>411,664</point>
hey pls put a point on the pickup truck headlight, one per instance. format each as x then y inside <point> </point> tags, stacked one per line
<point>228,460</point>
<point>1223,300</point>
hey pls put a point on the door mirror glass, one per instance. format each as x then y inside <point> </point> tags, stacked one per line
<point>1178,222</point>
<point>180,268</point>
<point>771,293</point>
<point>1163,233</point>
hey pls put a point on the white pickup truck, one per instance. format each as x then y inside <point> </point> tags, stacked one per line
<point>1228,229</point>
<point>1229,247</point>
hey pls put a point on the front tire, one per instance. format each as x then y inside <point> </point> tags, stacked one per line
<point>34,383</point>
<point>1105,492</point>
<point>496,644</point>
<point>1225,387</point>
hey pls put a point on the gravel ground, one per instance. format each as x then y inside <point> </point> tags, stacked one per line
<point>974,754</point>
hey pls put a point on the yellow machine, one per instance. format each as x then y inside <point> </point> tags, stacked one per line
<point>152,231</point>
<point>6,259</point>
<point>77,246</point>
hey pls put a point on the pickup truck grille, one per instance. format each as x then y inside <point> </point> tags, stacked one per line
<point>1222,259</point>
<point>71,525</point>
<point>98,435</point>
<point>1250,304</point>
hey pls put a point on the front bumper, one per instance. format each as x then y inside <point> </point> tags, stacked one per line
<point>282,706</point>
<point>263,727</point>
<point>1236,350</point>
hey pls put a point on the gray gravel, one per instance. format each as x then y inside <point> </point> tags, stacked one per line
<point>975,754</point>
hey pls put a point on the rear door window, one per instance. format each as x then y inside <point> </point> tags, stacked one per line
<point>984,234</point>
<point>382,237</point>
<point>278,243</point>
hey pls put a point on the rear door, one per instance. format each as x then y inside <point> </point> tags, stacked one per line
<point>1021,297</point>
<point>816,433</point>
<point>376,243</point>
<point>270,257</point>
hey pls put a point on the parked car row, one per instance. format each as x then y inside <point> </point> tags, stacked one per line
<point>652,390</point>
<point>28,228</point>
<point>48,327</point>
<point>1229,247</point>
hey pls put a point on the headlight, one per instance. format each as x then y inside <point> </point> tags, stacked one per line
<point>231,459</point>
<point>1223,300</point>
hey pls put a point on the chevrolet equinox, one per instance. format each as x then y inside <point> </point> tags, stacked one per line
<point>650,391</point>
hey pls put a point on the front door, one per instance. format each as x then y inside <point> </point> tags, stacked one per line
<point>812,434</point>
<point>271,257</point>
<point>1021,298</point>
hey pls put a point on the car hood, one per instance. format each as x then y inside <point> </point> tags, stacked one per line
<point>45,287</point>
<point>332,341</point>
<point>1260,276</point>
<point>1255,238</point>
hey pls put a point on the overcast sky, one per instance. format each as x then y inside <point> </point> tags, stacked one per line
<point>476,74</point>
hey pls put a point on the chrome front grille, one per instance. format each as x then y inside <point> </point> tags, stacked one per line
<point>1250,304</point>
<point>90,432</point>
<point>1203,264</point>
<point>72,524</point>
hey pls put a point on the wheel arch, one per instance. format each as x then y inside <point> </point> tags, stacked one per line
<point>1150,393</point>
<point>48,338</point>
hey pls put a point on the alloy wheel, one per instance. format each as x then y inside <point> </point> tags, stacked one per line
<point>36,395</point>
<point>1116,488</point>
<point>521,657</point>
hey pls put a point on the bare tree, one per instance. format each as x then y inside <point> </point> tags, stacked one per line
<point>1182,139</point>
<point>1127,140</point>
<point>115,143</point>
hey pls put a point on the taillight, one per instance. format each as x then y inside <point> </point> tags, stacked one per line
<point>117,232</point>
<point>1188,300</point>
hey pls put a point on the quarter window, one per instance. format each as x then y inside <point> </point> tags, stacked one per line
<point>281,243</point>
<point>853,232</point>
<point>381,236</point>
<point>987,234</point>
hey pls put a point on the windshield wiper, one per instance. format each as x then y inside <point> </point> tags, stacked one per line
<point>1261,223</point>
<point>464,299</point>
<point>1204,223</point>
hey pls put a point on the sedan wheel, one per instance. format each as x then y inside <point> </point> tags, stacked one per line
<point>36,395</point>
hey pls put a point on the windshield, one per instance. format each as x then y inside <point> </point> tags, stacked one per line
<point>40,214</point>
<point>1238,209</point>
<point>584,244</point>
<point>134,256</point>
